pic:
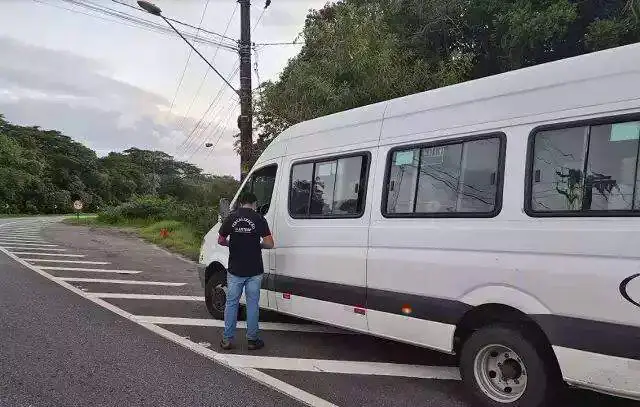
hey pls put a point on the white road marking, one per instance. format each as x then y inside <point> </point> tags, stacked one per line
<point>267,326</point>
<point>47,254</point>
<point>18,247</point>
<point>345,367</point>
<point>106,280</point>
<point>86,269</point>
<point>261,377</point>
<point>6,243</point>
<point>21,240</point>
<point>149,297</point>
<point>96,263</point>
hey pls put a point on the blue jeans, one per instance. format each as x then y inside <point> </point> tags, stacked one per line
<point>251,287</point>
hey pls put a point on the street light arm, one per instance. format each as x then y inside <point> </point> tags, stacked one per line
<point>199,54</point>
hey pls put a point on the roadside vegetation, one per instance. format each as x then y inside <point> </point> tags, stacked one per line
<point>354,53</point>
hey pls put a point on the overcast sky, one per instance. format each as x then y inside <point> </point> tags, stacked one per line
<point>110,85</point>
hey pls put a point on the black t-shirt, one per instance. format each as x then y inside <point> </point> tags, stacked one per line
<point>245,227</point>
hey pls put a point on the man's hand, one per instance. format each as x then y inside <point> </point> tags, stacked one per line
<point>267,242</point>
<point>223,241</point>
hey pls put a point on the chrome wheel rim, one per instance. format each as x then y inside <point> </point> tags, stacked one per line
<point>500,373</point>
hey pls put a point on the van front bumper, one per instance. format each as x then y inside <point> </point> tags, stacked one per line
<point>201,268</point>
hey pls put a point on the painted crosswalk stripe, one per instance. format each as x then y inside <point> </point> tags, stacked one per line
<point>89,270</point>
<point>108,281</point>
<point>3,242</point>
<point>95,263</point>
<point>22,240</point>
<point>344,367</point>
<point>47,254</point>
<point>148,296</point>
<point>268,326</point>
<point>18,247</point>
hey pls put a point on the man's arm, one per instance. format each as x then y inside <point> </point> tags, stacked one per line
<point>224,232</point>
<point>267,239</point>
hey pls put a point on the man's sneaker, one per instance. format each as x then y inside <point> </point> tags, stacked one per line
<point>255,345</point>
<point>226,345</point>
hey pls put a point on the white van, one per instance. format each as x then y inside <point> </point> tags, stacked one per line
<point>497,219</point>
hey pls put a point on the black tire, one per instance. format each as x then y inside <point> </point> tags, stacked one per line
<point>215,297</point>
<point>543,380</point>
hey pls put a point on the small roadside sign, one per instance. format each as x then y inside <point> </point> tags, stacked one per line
<point>77,205</point>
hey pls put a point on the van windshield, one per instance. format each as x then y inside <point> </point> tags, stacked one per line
<point>261,184</point>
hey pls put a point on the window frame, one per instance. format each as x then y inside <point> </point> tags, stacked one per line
<point>365,154</point>
<point>528,178</point>
<point>250,180</point>
<point>502,149</point>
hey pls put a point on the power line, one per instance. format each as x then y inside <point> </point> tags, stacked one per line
<point>186,65</point>
<point>207,71</point>
<point>180,22</point>
<point>143,23</point>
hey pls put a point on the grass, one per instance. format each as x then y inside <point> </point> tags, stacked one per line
<point>181,238</point>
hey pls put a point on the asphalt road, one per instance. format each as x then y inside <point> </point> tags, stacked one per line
<point>121,338</point>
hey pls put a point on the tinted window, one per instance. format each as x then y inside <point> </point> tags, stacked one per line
<point>328,188</point>
<point>301,177</point>
<point>450,178</point>
<point>586,169</point>
<point>261,184</point>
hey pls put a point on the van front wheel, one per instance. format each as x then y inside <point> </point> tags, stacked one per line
<point>502,366</point>
<point>215,295</point>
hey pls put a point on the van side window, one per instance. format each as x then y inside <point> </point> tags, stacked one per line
<point>330,188</point>
<point>460,178</point>
<point>585,170</point>
<point>261,183</point>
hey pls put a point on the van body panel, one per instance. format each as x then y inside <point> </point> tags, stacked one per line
<point>413,279</point>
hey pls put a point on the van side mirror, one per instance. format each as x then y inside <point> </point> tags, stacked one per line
<point>223,208</point>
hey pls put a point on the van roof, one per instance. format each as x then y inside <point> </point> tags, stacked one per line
<point>612,62</point>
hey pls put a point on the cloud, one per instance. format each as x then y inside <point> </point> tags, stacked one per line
<point>73,94</point>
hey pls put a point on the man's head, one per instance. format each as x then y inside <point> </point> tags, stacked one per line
<point>248,200</point>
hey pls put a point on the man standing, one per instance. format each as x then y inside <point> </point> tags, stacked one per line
<point>242,231</point>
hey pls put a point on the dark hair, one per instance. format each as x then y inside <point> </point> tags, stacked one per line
<point>247,198</point>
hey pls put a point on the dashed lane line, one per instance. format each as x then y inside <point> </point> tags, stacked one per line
<point>345,367</point>
<point>106,280</point>
<point>147,297</point>
<point>47,254</point>
<point>86,269</point>
<point>95,263</point>
<point>267,326</point>
<point>261,377</point>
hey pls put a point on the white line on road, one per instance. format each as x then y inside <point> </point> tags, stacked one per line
<point>106,280</point>
<point>4,242</point>
<point>22,240</point>
<point>85,269</point>
<point>345,367</point>
<point>148,296</point>
<point>267,326</point>
<point>18,247</point>
<point>261,377</point>
<point>47,254</point>
<point>96,263</point>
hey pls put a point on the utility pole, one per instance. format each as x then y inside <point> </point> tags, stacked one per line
<point>245,120</point>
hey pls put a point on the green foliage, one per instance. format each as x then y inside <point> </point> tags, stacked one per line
<point>358,52</point>
<point>182,238</point>
<point>43,172</point>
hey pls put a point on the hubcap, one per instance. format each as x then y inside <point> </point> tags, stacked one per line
<point>219,297</point>
<point>500,373</point>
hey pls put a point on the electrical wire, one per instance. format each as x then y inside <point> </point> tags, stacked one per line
<point>180,22</point>
<point>186,65</point>
<point>204,78</point>
<point>144,23</point>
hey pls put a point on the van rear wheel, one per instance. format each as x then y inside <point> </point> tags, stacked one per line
<point>504,366</point>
